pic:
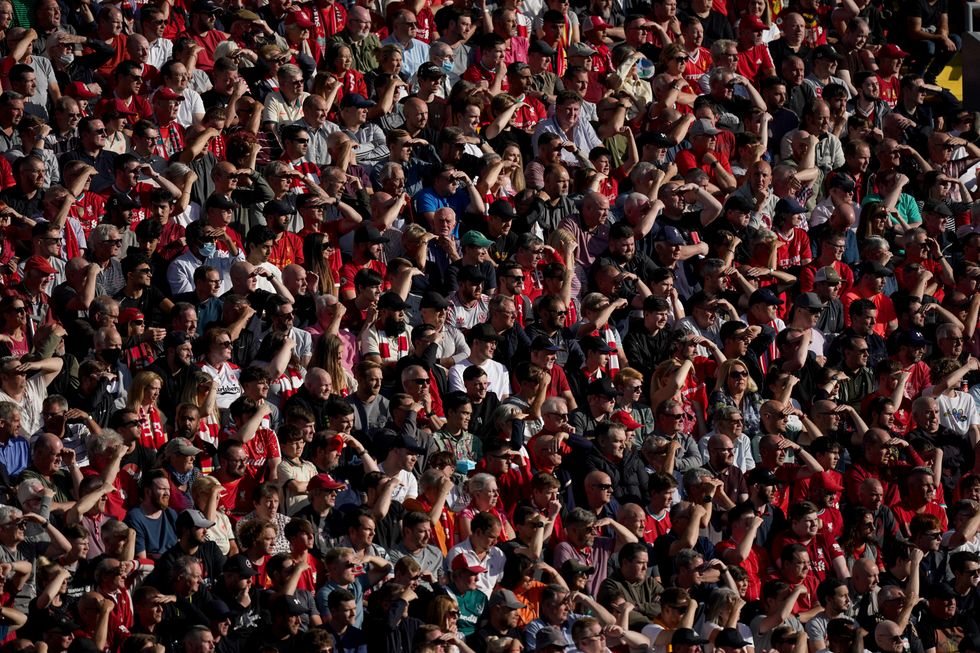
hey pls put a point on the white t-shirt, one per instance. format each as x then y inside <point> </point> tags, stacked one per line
<point>496,374</point>
<point>409,488</point>
<point>493,563</point>
<point>226,377</point>
<point>30,407</point>
<point>957,413</point>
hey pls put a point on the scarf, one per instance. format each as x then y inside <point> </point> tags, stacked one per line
<point>180,479</point>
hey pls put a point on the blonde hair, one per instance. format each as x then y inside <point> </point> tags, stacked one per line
<point>725,369</point>
<point>327,355</point>
<point>141,383</point>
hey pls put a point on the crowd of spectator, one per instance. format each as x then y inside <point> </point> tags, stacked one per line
<point>545,325</point>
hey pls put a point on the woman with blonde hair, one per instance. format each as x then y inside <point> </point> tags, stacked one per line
<point>328,354</point>
<point>319,258</point>
<point>444,614</point>
<point>736,388</point>
<point>629,382</point>
<point>142,400</point>
<point>205,492</point>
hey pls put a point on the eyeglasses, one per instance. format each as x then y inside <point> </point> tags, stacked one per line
<point>116,242</point>
<point>100,132</point>
<point>19,310</point>
<point>933,535</point>
<point>738,375</point>
<point>453,613</point>
<point>674,416</point>
<point>603,486</point>
<point>143,270</point>
<point>136,322</point>
<point>420,382</point>
<point>301,141</point>
<point>223,343</point>
<point>562,417</point>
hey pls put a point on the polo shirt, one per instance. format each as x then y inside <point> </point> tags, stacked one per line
<point>15,454</point>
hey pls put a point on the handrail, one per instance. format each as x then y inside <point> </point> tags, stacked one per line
<point>971,7</point>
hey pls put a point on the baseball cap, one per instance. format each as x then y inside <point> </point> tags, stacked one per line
<point>544,343</point>
<point>765,296</point>
<point>595,343</point>
<point>842,181</point>
<point>429,69</point>
<point>120,202</point>
<point>572,566</point>
<point>475,238</point>
<point>165,93</point>
<point>471,274</point>
<point>686,636</point>
<point>126,316</point>
<point>288,604</point>
<point>672,236</point>
<point>299,19</point>
<point>432,299</point>
<point>407,442</point>
<point>193,518</point>
<point>502,209</point>
<point>579,49</point>
<point>624,418</point>
<point>368,233</point>
<point>179,446</point>
<point>217,610</point>
<point>205,7</point>
<point>175,339</point>
<point>941,591</point>
<point>42,264</point>
<point>828,274</point>
<point>913,338</point>
<point>115,106</point>
<point>549,637</point>
<point>325,482</point>
<point>240,564</point>
<point>703,127</point>
<point>603,386</point>
<point>891,51</point>
<point>874,268</point>
<point>739,203</point>
<point>808,300</point>
<point>828,482</point>
<point>826,52</point>
<point>788,206</point>
<point>753,22</point>
<point>729,638</point>
<point>590,23</point>
<point>937,207</point>
<point>505,598</point>
<point>460,563</point>
<point>277,207</point>
<point>761,476</point>
<point>355,100</point>
<point>219,201</point>
<point>541,47</point>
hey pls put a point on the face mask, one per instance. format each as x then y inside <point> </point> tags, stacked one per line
<point>208,250</point>
<point>394,326</point>
<point>110,356</point>
<point>65,59</point>
<point>447,66</point>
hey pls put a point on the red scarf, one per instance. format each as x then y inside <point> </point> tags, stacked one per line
<point>151,429</point>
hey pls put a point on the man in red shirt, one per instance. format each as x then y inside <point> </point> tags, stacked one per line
<point>881,461</point>
<point>201,30</point>
<point>890,58</point>
<point>367,254</point>
<point>920,499</point>
<point>805,529</point>
<point>288,247</point>
<point>754,61</point>
<point>703,136</point>
<point>166,102</point>
<point>488,71</point>
<point>870,283</point>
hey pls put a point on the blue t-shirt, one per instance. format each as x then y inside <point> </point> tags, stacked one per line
<point>427,201</point>
<point>154,536</point>
<point>15,455</point>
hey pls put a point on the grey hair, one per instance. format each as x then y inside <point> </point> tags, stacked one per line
<point>96,445</point>
<point>9,514</point>
<point>945,330</point>
<point>718,47</point>
<point>640,170</point>
<point>480,482</point>
<point>712,266</point>
<point>8,409</point>
<point>102,233</point>
<point>551,404</point>
<point>290,69</point>
<point>501,417</point>
<point>183,567</point>
<point>322,301</point>
<point>579,517</point>
<point>176,171</point>
<point>388,171</point>
<point>872,243</point>
<point>685,557</point>
<point>693,476</point>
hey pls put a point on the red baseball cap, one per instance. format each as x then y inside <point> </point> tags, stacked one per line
<point>39,263</point>
<point>460,562</point>
<point>829,482</point>
<point>299,19</point>
<point>116,106</point>
<point>753,22</point>
<point>324,482</point>
<point>167,93</point>
<point>892,51</point>
<point>590,23</point>
<point>626,420</point>
<point>79,91</point>
<point>127,315</point>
